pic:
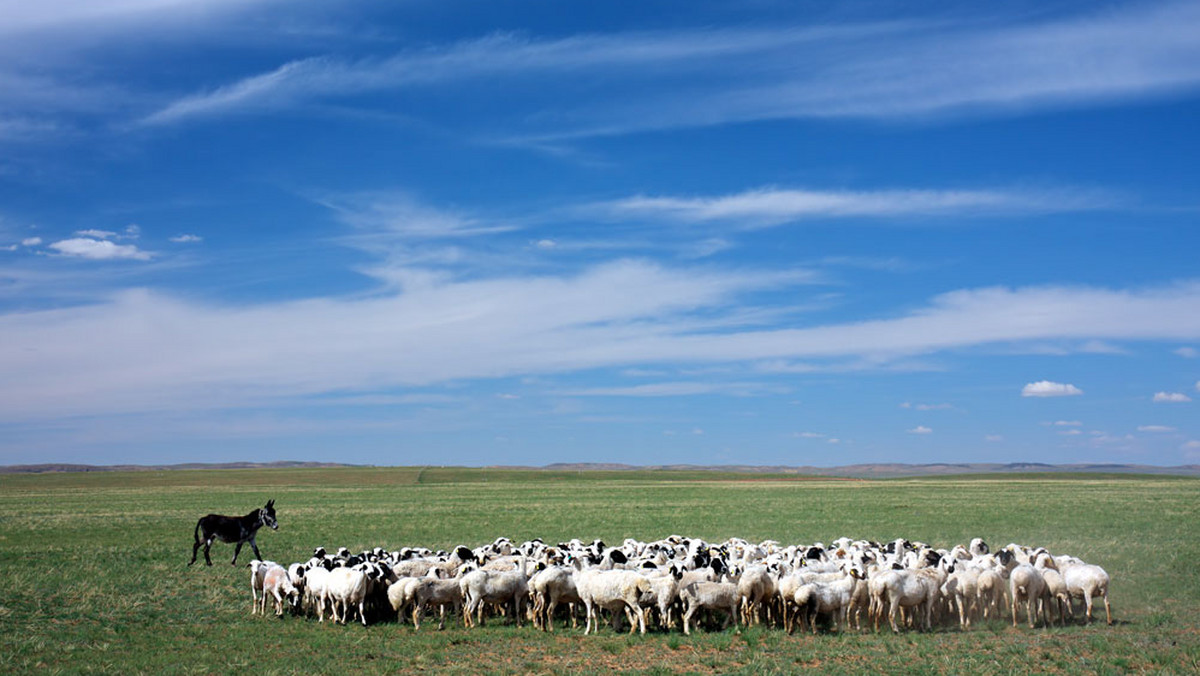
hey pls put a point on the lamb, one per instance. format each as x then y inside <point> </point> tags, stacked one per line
<point>278,584</point>
<point>709,596</point>
<point>1087,581</point>
<point>400,594</point>
<point>611,590</point>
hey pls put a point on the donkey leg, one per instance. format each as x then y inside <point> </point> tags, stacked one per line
<point>207,545</point>
<point>195,548</point>
<point>255,546</point>
<point>236,551</point>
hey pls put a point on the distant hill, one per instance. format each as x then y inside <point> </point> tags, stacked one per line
<point>866,471</point>
<point>65,467</point>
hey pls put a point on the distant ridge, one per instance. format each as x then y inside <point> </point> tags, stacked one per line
<point>864,471</point>
<point>66,467</point>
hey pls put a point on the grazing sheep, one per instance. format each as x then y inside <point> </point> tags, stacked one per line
<point>278,584</point>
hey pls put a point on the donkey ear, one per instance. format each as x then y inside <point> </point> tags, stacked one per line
<point>271,502</point>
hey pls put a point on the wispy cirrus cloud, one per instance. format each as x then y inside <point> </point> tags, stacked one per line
<point>690,78</point>
<point>774,206</point>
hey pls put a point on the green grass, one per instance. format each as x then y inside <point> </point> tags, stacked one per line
<point>93,574</point>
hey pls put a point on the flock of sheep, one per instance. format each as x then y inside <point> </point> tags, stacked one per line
<point>671,580</point>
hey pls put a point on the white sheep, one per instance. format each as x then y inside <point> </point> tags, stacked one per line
<point>612,590</point>
<point>550,587</point>
<point>709,596</point>
<point>827,597</point>
<point>429,591</point>
<point>500,588</point>
<point>1025,583</point>
<point>347,588</point>
<point>258,571</point>
<point>278,584</point>
<point>1087,581</point>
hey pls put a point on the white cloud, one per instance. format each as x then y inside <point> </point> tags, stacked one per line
<point>920,429</point>
<point>672,389</point>
<point>379,215</point>
<point>772,206</point>
<point>1188,352</point>
<point>1191,449</point>
<point>1068,423</point>
<point>164,352</point>
<point>96,249</point>
<point>1071,433</point>
<point>133,231</point>
<point>927,407</point>
<point>185,239</point>
<point>834,440</point>
<point>31,241</point>
<point>994,438</point>
<point>1155,428</point>
<point>96,234</point>
<point>808,435</point>
<point>1046,388</point>
<point>1171,398</point>
<point>647,80</point>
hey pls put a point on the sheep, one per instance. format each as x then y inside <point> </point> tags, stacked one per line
<point>550,587</point>
<point>664,590</point>
<point>278,584</point>
<point>347,588</point>
<point>906,589</point>
<point>400,594</point>
<point>430,590</point>
<point>1087,581</point>
<point>827,597</point>
<point>258,571</point>
<point>316,589</point>
<point>611,590</point>
<point>1025,583</point>
<point>709,596</point>
<point>484,586</point>
<point>755,588</point>
<point>963,587</point>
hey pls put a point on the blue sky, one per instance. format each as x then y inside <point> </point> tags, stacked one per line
<point>523,233</point>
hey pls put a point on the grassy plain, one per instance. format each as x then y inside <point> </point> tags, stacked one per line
<point>93,574</point>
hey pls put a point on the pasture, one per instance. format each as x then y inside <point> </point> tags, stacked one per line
<point>94,575</point>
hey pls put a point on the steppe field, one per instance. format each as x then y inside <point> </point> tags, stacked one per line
<point>94,575</point>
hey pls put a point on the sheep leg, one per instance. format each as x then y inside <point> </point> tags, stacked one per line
<point>687,618</point>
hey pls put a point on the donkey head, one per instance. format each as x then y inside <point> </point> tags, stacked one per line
<point>267,515</point>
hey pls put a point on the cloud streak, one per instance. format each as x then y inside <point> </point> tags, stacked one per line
<point>691,78</point>
<point>149,351</point>
<point>772,206</point>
